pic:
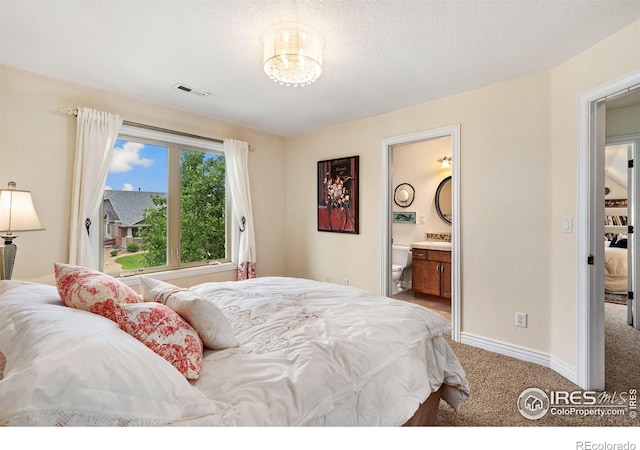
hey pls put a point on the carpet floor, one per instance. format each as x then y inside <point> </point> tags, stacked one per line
<point>496,382</point>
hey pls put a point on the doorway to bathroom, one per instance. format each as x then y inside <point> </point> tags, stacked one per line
<point>413,179</point>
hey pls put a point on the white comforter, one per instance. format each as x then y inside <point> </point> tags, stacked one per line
<point>310,354</point>
<point>322,354</point>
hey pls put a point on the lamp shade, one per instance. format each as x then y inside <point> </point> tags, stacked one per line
<point>292,54</point>
<point>17,212</point>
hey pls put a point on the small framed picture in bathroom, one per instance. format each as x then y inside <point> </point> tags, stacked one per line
<point>338,195</point>
<point>404,217</point>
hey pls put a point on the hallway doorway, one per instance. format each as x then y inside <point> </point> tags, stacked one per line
<point>592,131</point>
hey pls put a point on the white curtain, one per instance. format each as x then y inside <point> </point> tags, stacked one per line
<point>236,154</point>
<point>96,134</point>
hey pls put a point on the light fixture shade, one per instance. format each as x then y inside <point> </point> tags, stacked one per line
<point>292,54</point>
<point>17,212</point>
<point>445,162</point>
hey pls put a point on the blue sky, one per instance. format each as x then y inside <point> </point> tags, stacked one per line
<point>138,166</point>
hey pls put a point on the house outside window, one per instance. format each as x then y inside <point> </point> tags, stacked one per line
<point>165,203</point>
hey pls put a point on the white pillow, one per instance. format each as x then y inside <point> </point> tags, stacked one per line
<point>66,366</point>
<point>202,314</point>
<point>28,292</point>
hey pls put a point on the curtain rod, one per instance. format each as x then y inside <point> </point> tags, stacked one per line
<point>179,133</point>
<point>74,112</point>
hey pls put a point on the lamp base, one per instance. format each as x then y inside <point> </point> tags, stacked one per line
<point>8,253</point>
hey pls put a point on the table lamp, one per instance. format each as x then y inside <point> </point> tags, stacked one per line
<point>17,214</point>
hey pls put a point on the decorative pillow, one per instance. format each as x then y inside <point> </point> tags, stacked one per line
<point>163,330</point>
<point>203,315</point>
<point>91,290</point>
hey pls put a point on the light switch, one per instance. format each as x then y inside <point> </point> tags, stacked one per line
<point>567,224</point>
<point>423,219</point>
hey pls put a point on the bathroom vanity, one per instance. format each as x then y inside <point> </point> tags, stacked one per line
<point>431,263</point>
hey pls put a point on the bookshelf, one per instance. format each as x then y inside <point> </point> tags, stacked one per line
<point>615,217</point>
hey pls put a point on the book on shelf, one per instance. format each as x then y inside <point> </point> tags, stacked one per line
<point>618,221</point>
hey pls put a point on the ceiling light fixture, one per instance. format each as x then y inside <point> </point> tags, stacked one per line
<point>292,54</point>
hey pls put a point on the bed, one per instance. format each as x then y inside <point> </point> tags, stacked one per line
<point>615,266</point>
<point>301,353</point>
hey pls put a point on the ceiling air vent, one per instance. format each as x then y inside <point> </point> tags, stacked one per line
<point>190,90</point>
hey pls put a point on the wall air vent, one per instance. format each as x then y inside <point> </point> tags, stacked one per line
<point>190,90</point>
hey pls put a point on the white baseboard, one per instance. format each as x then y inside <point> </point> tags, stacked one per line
<point>521,353</point>
<point>570,373</point>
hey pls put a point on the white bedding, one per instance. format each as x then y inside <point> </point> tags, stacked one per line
<point>310,354</point>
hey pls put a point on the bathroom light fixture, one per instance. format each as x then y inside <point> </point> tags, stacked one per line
<point>445,162</point>
<point>17,213</point>
<point>292,54</point>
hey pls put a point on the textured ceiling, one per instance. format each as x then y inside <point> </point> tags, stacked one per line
<point>379,55</point>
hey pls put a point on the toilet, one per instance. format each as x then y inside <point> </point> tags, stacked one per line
<point>400,268</point>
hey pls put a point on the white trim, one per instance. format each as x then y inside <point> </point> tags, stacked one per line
<point>590,339</point>
<point>563,369</point>
<point>632,141</point>
<point>174,138</point>
<point>452,131</point>
<point>520,353</point>
<point>134,280</point>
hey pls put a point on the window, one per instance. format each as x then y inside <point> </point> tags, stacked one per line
<point>164,203</point>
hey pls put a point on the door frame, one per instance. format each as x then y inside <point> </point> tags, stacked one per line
<point>453,132</point>
<point>590,327</point>
<point>633,189</point>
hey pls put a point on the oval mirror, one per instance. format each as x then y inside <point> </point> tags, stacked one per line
<point>443,200</point>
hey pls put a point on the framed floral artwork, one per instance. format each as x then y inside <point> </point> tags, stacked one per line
<point>338,195</point>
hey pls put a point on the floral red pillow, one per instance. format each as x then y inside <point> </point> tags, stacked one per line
<point>163,330</point>
<point>91,290</point>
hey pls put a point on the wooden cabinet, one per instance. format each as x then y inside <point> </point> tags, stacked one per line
<point>431,273</point>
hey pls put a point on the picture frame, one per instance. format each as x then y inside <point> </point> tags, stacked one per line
<point>404,217</point>
<point>338,195</point>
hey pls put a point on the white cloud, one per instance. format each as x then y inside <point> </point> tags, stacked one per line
<point>127,156</point>
<point>108,188</point>
<point>127,187</point>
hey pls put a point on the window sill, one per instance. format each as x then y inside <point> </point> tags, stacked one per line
<point>134,280</point>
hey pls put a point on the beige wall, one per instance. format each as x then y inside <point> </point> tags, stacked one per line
<point>37,151</point>
<point>504,164</point>
<point>518,181</point>
<point>608,60</point>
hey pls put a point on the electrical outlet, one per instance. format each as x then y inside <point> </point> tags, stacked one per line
<point>521,319</point>
<point>327,279</point>
<point>345,281</point>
